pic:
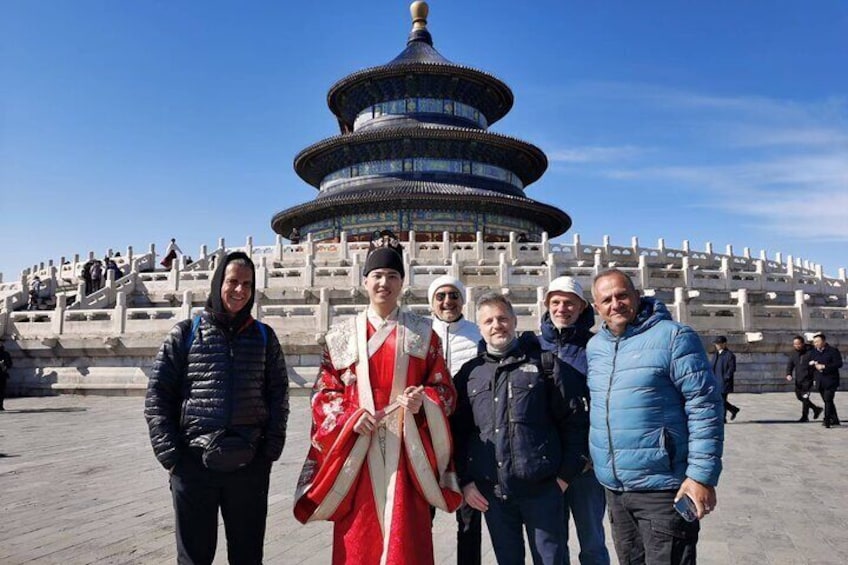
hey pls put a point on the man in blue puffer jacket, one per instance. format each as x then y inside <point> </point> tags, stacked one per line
<point>656,423</point>
<point>566,329</point>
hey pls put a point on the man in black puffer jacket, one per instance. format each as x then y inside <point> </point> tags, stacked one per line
<point>217,406</point>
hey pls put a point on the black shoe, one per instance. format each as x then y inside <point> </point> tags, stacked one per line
<point>817,410</point>
<point>803,419</point>
<point>826,424</point>
<point>836,423</point>
<point>734,412</point>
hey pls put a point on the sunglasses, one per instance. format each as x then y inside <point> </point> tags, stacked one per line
<point>442,295</point>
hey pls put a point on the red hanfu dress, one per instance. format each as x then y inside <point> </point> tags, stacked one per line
<point>378,489</point>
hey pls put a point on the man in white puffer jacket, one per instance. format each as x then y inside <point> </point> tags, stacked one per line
<point>460,337</point>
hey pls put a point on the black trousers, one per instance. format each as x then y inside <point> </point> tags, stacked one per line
<point>242,496</point>
<point>646,529</point>
<point>468,536</point>
<point>728,407</point>
<point>3,380</point>
<point>830,416</point>
<point>803,396</point>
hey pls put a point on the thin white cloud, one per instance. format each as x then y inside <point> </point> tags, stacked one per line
<point>781,165</point>
<point>594,154</point>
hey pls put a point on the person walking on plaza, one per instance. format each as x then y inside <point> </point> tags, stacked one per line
<point>217,406</point>
<point>826,361</point>
<point>798,367</point>
<point>380,455</point>
<point>566,329</point>
<point>5,365</point>
<point>520,431</point>
<point>657,431</point>
<point>96,275</point>
<point>724,368</point>
<point>460,341</point>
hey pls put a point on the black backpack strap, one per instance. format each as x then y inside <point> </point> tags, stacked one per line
<point>547,359</point>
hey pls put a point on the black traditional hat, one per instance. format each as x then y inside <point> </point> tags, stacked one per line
<point>385,252</point>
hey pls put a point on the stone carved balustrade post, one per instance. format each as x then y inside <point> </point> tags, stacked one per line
<point>344,248</point>
<point>513,246</point>
<point>550,266</point>
<point>129,257</point>
<point>307,272</point>
<point>790,270</point>
<point>309,246</point>
<point>681,305</point>
<point>278,247</point>
<point>59,314</point>
<point>324,309</point>
<point>262,273</point>
<point>481,248</point>
<point>820,286</point>
<point>185,307</point>
<point>456,266</point>
<point>760,269</point>
<point>803,310</point>
<point>728,250</point>
<point>744,309</point>
<point>4,315</point>
<point>469,308</point>
<point>578,251</point>
<point>446,246</point>
<point>355,278</point>
<point>248,247</point>
<point>746,252</point>
<point>597,267</point>
<point>80,293</point>
<point>540,304</point>
<point>606,249</point>
<point>644,273</point>
<point>708,248</point>
<point>503,270</point>
<point>174,276</point>
<point>687,249</point>
<point>546,244</point>
<point>119,314</point>
<point>725,273</point>
<point>688,280</point>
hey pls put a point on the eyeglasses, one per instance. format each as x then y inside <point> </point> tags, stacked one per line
<point>442,295</point>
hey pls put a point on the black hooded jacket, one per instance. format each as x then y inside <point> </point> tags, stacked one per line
<point>228,375</point>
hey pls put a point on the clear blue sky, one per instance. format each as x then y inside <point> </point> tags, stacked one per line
<point>126,123</point>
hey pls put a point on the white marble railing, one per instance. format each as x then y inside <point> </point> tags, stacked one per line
<point>739,315</point>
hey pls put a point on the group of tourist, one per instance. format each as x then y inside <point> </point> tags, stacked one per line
<point>412,414</point>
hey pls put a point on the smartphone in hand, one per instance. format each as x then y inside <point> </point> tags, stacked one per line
<point>686,508</point>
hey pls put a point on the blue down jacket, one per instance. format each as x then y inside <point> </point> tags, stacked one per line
<point>656,413</point>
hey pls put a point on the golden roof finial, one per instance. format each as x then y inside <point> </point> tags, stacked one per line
<point>419,11</point>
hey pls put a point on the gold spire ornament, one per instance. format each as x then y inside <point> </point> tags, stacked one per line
<point>419,11</point>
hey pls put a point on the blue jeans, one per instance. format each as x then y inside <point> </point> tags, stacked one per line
<point>586,501</point>
<point>537,514</point>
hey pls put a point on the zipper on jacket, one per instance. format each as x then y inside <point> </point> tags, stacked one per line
<point>609,428</point>
<point>231,384</point>
<point>510,426</point>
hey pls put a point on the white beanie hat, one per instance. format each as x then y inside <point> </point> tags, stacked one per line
<point>445,280</point>
<point>565,284</point>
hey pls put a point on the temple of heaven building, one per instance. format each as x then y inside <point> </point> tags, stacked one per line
<point>415,154</point>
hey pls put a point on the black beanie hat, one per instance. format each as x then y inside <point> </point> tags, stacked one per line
<point>385,253</point>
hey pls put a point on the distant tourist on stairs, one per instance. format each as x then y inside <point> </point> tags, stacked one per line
<point>826,361</point>
<point>5,365</point>
<point>86,276</point>
<point>798,367</point>
<point>294,236</point>
<point>171,254</point>
<point>724,368</point>
<point>217,406</point>
<point>96,275</point>
<point>35,287</point>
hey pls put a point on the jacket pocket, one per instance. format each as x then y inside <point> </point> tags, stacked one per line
<point>528,399</point>
<point>481,400</point>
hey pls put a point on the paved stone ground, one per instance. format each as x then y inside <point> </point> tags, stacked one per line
<point>79,484</point>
